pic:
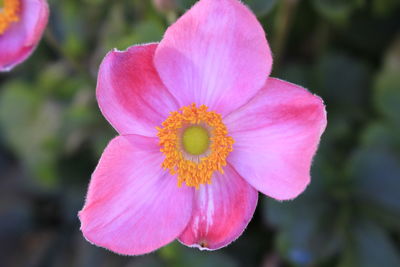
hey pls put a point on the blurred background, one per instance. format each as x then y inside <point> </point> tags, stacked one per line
<point>52,135</point>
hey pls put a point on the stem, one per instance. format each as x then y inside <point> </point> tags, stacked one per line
<point>282,27</point>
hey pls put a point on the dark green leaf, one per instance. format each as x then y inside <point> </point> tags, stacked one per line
<point>375,171</point>
<point>337,11</point>
<point>261,7</point>
<point>372,247</point>
<point>185,4</point>
<point>180,256</point>
<point>30,125</point>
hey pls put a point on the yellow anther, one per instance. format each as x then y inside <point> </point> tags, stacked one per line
<point>195,143</point>
<point>9,13</point>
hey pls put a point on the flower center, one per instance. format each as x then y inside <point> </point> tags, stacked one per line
<point>9,13</point>
<point>195,143</point>
<point>195,140</point>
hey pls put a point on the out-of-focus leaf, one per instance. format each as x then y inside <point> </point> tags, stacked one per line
<point>296,73</point>
<point>337,11</point>
<point>180,256</point>
<point>387,85</point>
<point>308,230</point>
<point>342,81</point>
<point>55,81</point>
<point>15,219</point>
<point>146,261</point>
<point>375,171</point>
<point>113,29</point>
<point>306,234</point>
<point>185,4</point>
<point>30,125</point>
<point>146,32</point>
<point>68,27</point>
<point>117,34</point>
<point>380,134</point>
<point>79,121</point>
<point>384,7</point>
<point>370,247</point>
<point>261,7</point>
<point>387,98</point>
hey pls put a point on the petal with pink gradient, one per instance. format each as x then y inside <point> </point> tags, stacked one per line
<point>133,206</point>
<point>216,54</point>
<point>19,41</point>
<point>276,136</point>
<point>221,212</point>
<point>130,93</point>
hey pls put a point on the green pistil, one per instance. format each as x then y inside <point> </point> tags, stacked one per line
<point>195,140</point>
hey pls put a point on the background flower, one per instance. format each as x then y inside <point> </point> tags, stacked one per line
<point>51,136</point>
<point>20,36</point>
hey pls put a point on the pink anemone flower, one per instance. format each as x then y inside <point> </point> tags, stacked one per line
<point>22,23</point>
<point>202,130</point>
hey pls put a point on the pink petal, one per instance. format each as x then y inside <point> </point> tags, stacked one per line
<point>130,93</point>
<point>276,136</point>
<point>18,42</point>
<point>216,54</point>
<point>222,211</point>
<point>133,206</point>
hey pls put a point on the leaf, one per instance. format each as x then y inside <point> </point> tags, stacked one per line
<point>387,85</point>
<point>305,235</point>
<point>342,81</point>
<point>384,7</point>
<point>336,11</point>
<point>261,7</point>
<point>295,73</point>
<point>381,134</point>
<point>30,125</point>
<point>148,31</point>
<point>387,95</point>
<point>372,247</point>
<point>185,4</point>
<point>146,261</point>
<point>375,171</point>
<point>181,256</point>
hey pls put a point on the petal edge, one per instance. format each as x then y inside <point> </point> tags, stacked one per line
<point>273,150</point>
<point>134,207</point>
<point>202,53</point>
<point>222,211</point>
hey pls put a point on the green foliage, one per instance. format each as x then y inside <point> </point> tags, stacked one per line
<point>261,7</point>
<point>185,4</point>
<point>337,11</point>
<point>177,255</point>
<point>387,86</point>
<point>384,7</point>
<point>371,246</point>
<point>29,124</point>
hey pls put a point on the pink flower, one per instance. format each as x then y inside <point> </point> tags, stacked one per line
<point>22,23</point>
<point>202,130</point>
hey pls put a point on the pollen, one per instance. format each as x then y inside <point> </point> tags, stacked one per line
<point>195,143</point>
<point>9,13</point>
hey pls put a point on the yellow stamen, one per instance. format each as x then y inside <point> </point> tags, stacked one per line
<point>194,164</point>
<point>9,13</point>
